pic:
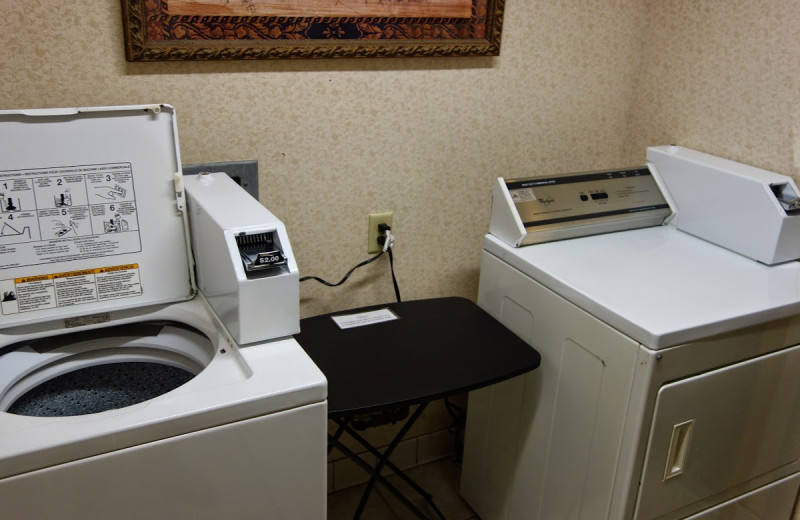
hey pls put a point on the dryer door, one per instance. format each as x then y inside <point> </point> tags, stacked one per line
<point>720,434</point>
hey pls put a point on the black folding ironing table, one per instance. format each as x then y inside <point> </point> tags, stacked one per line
<point>433,349</point>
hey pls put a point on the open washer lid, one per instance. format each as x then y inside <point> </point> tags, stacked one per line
<point>92,213</point>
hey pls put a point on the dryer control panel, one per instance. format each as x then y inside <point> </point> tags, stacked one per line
<point>541,209</point>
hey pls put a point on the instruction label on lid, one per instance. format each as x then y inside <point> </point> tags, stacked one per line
<point>49,291</point>
<point>67,213</point>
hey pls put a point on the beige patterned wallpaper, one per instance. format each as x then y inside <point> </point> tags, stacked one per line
<point>580,85</point>
<point>721,76</point>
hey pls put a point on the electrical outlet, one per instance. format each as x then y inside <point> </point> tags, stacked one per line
<point>372,233</point>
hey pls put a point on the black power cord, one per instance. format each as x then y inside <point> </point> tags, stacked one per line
<point>344,279</point>
<point>387,240</point>
<point>456,428</point>
<point>394,279</point>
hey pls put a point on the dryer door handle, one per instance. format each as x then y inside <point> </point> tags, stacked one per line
<point>678,449</point>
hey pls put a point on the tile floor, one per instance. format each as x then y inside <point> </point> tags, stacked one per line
<point>439,478</point>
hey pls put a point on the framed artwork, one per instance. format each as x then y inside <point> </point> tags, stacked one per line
<point>174,30</point>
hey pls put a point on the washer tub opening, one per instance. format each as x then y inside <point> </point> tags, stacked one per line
<point>99,388</point>
<point>95,371</point>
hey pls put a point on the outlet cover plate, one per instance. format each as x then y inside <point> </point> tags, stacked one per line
<point>372,233</point>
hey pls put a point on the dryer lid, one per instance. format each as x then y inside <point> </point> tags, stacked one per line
<point>92,213</point>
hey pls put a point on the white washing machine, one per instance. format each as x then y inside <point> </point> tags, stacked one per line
<point>126,392</point>
<point>669,382</point>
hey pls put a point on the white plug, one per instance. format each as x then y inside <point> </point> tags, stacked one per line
<point>389,240</point>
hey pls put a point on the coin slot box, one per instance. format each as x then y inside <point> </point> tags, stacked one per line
<point>261,254</point>
<point>248,273</point>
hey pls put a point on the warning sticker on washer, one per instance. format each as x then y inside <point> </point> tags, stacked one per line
<point>51,215</point>
<point>33,293</point>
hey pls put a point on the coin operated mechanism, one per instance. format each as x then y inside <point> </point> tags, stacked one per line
<point>243,258</point>
<point>260,255</point>
<point>745,209</point>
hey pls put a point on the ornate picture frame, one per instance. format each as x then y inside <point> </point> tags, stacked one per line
<point>177,30</point>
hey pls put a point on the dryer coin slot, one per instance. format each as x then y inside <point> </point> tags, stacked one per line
<point>261,254</point>
<point>789,201</point>
<point>599,196</point>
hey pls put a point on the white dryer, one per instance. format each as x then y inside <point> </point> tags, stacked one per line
<point>125,392</point>
<point>669,382</point>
